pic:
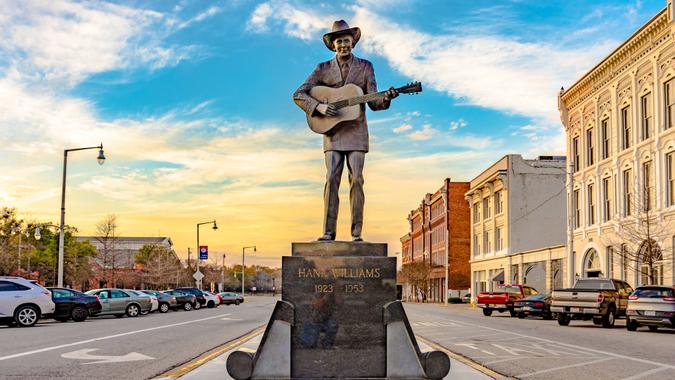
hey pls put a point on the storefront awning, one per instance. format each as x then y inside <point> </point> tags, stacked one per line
<point>499,277</point>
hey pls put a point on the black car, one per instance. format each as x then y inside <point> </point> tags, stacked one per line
<point>166,301</point>
<point>201,299</point>
<point>71,304</point>
<point>538,304</point>
<point>183,300</point>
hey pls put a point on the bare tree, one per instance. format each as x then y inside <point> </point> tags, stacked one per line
<point>160,266</point>
<point>640,234</point>
<point>106,231</point>
<point>417,275</point>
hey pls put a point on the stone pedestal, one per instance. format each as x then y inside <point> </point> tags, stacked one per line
<point>342,320</point>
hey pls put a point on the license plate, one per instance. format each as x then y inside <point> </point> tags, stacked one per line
<point>491,305</point>
<point>527,308</point>
<point>575,309</point>
<point>650,313</point>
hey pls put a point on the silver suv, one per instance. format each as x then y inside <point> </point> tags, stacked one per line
<point>23,302</point>
<point>652,306</point>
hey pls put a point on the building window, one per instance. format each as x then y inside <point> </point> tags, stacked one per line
<point>591,205</point>
<point>487,246</point>
<point>577,211</point>
<point>476,215</point>
<point>476,247</point>
<point>514,274</point>
<point>575,154</point>
<point>669,92</point>
<point>627,192</point>
<point>499,243</point>
<point>647,113</point>
<point>605,136</point>
<point>610,261</point>
<point>648,186</point>
<point>625,127</point>
<point>670,178</point>
<point>590,147</point>
<point>607,199</point>
<point>487,210</point>
<point>499,206</point>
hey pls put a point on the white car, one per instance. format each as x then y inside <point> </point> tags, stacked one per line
<point>23,302</point>
<point>153,300</point>
<point>212,300</point>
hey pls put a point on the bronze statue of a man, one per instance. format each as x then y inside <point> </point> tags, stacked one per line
<point>348,141</point>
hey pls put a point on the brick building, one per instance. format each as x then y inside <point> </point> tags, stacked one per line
<point>440,224</point>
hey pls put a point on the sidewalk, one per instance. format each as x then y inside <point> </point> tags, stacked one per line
<point>216,369</point>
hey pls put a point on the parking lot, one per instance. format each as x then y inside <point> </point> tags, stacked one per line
<point>533,348</point>
<point>114,348</point>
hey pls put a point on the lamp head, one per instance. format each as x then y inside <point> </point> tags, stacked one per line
<point>215,226</point>
<point>101,156</point>
<point>37,235</point>
<point>254,248</point>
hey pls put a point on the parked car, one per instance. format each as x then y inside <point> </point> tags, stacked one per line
<point>231,298</point>
<point>600,299</point>
<point>71,304</point>
<point>184,301</point>
<point>119,302</point>
<point>536,304</point>
<point>212,300</point>
<point>652,306</point>
<point>503,298</point>
<point>23,302</point>
<point>166,301</point>
<point>466,298</point>
<point>201,299</point>
<point>154,302</point>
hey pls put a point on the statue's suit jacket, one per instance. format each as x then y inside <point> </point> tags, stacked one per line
<point>348,135</point>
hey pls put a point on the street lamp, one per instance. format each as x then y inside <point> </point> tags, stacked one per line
<point>101,160</point>
<point>215,227</point>
<point>242,267</point>
<point>222,275</point>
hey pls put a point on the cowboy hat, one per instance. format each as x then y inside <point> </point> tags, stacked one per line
<point>341,27</point>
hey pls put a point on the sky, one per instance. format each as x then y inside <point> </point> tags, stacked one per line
<point>192,103</point>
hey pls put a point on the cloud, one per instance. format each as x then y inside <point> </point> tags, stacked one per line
<point>402,128</point>
<point>426,133</point>
<point>64,42</point>
<point>300,23</point>
<point>456,124</point>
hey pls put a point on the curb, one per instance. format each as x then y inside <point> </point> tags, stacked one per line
<point>202,359</point>
<point>463,359</point>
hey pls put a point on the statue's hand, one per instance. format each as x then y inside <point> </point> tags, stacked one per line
<point>390,94</point>
<point>326,109</point>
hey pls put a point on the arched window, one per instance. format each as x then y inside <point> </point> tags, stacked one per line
<point>651,263</point>
<point>592,264</point>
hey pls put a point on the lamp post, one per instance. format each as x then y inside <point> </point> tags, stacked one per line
<point>222,275</point>
<point>101,160</point>
<point>242,267</point>
<point>198,260</point>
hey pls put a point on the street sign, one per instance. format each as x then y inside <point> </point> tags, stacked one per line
<point>203,252</point>
<point>198,276</point>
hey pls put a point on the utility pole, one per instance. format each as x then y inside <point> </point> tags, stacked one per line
<point>572,222</point>
<point>222,275</point>
<point>189,253</point>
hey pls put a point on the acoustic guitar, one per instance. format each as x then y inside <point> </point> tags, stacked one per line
<point>347,100</point>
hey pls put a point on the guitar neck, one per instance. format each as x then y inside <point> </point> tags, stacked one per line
<point>358,99</point>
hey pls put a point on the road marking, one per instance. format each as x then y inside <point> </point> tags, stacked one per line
<point>643,374</point>
<point>462,359</point>
<point>13,356</point>
<point>84,354</point>
<point>563,367</point>
<point>231,319</point>
<point>472,345</point>
<point>670,366</point>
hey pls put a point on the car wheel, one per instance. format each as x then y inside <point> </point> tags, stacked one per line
<point>187,306</point>
<point>210,304</point>
<point>563,319</point>
<point>26,316</point>
<point>512,312</point>
<point>521,315</point>
<point>653,328</point>
<point>547,316</point>
<point>133,310</point>
<point>609,318</point>
<point>237,302</point>
<point>631,324</point>
<point>597,321</point>
<point>164,308</point>
<point>197,305</point>
<point>487,312</point>
<point>79,313</point>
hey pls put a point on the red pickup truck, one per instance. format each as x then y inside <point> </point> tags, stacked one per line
<point>503,297</point>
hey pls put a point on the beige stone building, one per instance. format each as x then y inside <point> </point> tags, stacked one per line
<point>620,124</point>
<point>518,223</point>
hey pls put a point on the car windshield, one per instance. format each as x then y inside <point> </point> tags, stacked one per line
<point>508,289</point>
<point>653,292</point>
<point>594,284</point>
